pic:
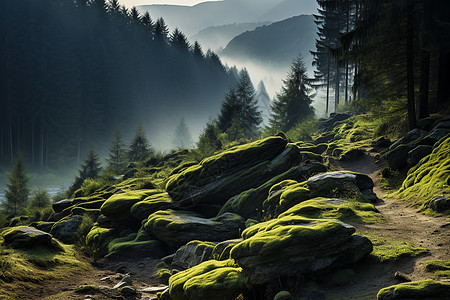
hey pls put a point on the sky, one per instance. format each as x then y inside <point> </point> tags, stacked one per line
<point>131,3</point>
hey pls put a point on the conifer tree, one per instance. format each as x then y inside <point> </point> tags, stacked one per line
<point>161,30</point>
<point>208,141</point>
<point>17,191</point>
<point>117,160</point>
<point>90,169</point>
<point>179,40</point>
<point>140,147</point>
<point>40,198</point>
<point>263,101</point>
<point>182,137</point>
<point>293,103</point>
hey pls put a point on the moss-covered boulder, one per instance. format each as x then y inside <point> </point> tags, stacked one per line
<point>98,238</point>
<point>430,177</point>
<point>139,243</point>
<point>192,254</point>
<point>425,289</point>
<point>66,229</point>
<point>28,237</point>
<point>249,204</point>
<point>177,228</point>
<point>286,194</point>
<point>343,210</point>
<point>117,207</point>
<point>217,178</point>
<point>151,204</point>
<point>340,183</point>
<point>294,245</point>
<point>220,280</point>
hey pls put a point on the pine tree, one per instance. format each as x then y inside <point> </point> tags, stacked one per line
<point>140,147</point>
<point>40,198</point>
<point>208,141</point>
<point>17,191</point>
<point>197,50</point>
<point>90,169</point>
<point>117,160</point>
<point>182,137</point>
<point>178,40</point>
<point>161,30</point>
<point>293,104</point>
<point>241,106</point>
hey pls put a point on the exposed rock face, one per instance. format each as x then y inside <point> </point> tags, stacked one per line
<point>66,229</point>
<point>328,124</point>
<point>222,176</point>
<point>440,203</point>
<point>416,154</point>
<point>28,237</point>
<point>176,228</point>
<point>249,203</point>
<point>426,289</point>
<point>61,205</point>
<point>357,183</point>
<point>294,245</point>
<point>192,254</point>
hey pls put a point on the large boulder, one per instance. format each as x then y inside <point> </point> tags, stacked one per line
<point>28,237</point>
<point>66,229</point>
<point>425,289</point>
<point>151,204</point>
<point>217,178</point>
<point>61,205</point>
<point>249,204</point>
<point>220,280</point>
<point>117,207</point>
<point>177,228</point>
<point>355,184</point>
<point>140,243</point>
<point>192,254</point>
<point>416,154</point>
<point>293,245</point>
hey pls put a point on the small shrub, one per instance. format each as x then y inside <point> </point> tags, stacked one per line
<point>85,226</point>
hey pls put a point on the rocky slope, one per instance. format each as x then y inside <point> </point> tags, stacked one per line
<point>256,221</point>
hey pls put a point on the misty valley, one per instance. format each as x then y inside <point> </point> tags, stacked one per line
<point>225,149</point>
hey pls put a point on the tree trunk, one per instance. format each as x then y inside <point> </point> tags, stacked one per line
<point>424,83</point>
<point>443,76</point>
<point>328,86</point>
<point>410,65</point>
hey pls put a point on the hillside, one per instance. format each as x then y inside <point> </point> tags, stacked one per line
<point>254,221</point>
<point>72,74</point>
<point>216,37</point>
<point>275,44</point>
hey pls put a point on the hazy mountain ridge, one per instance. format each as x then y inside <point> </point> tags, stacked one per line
<point>277,43</point>
<point>216,37</point>
<point>192,19</point>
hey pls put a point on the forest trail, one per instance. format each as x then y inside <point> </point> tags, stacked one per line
<point>403,222</point>
<point>363,282</point>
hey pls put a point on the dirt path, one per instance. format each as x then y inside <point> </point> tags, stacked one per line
<point>402,221</point>
<point>361,282</point>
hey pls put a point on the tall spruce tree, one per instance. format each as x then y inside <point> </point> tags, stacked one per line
<point>118,157</point>
<point>293,104</point>
<point>208,141</point>
<point>240,108</point>
<point>17,190</point>
<point>140,147</point>
<point>90,169</point>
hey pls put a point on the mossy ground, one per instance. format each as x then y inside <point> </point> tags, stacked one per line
<point>387,249</point>
<point>22,269</point>
<point>430,177</point>
<point>440,268</point>
<point>425,289</point>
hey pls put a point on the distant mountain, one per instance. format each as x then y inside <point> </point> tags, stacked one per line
<point>216,37</point>
<point>191,19</point>
<point>276,44</point>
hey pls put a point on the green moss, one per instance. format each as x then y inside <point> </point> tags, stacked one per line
<point>151,204</point>
<point>117,207</point>
<point>97,240</point>
<point>209,280</point>
<point>430,177</point>
<point>140,241</point>
<point>440,268</point>
<point>283,295</point>
<point>425,289</point>
<point>387,249</point>
<point>236,158</point>
<point>343,210</point>
<point>21,269</point>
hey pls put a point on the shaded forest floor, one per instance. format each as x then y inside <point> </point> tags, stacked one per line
<point>362,281</point>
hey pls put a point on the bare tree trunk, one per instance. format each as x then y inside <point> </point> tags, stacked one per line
<point>11,140</point>
<point>328,86</point>
<point>424,83</point>
<point>410,65</point>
